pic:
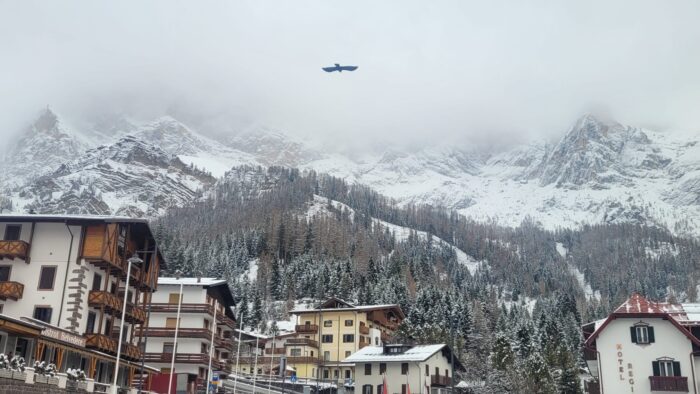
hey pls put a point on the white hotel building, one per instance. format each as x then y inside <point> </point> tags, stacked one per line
<point>644,347</point>
<point>206,323</point>
<point>62,285</point>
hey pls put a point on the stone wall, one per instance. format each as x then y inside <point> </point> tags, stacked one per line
<point>13,386</point>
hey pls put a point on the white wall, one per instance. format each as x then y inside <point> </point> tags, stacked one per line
<point>416,377</point>
<point>618,356</point>
<point>49,247</point>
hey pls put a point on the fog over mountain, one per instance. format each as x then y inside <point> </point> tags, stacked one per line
<point>463,72</point>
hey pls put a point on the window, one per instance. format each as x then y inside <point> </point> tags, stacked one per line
<point>380,388</point>
<point>347,353</point>
<point>447,372</point>
<point>336,373</point>
<point>327,338</point>
<point>173,298</point>
<point>326,355</point>
<point>206,324</point>
<point>5,273</point>
<point>376,341</point>
<point>96,282</point>
<point>348,323</point>
<point>168,347</point>
<point>403,389</point>
<point>367,389</point>
<point>427,370</point>
<point>108,327</point>
<point>642,334</point>
<point>170,322</point>
<point>43,313</point>
<point>12,232</point>
<point>203,348</point>
<point>46,277</point>
<point>326,374</point>
<point>666,368</point>
<point>90,327</point>
<point>368,369</point>
<point>348,338</point>
<point>382,368</point>
<point>295,352</point>
<point>328,323</point>
<point>347,374</point>
<point>404,368</point>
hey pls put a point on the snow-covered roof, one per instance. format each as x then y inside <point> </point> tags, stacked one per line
<point>370,354</point>
<point>191,281</point>
<point>50,217</point>
<point>353,308</point>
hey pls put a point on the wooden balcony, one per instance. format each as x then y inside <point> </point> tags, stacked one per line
<point>225,343</point>
<point>364,330</point>
<point>184,308</point>
<point>100,342</point>
<point>14,250</point>
<point>184,358</point>
<point>363,344</point>
<point>105,344</point>
<point>266,360</point>
<point>306,328</point>
<point>225,320</point>
<point>301,342</point>
<point>202,333</point>
<point>591,387</point>
<point>113,305</point>
<point>385,337</point>
<point>669,383</point>
<point>440,380</point>
<point>11,290</point>
<point>277,350</point>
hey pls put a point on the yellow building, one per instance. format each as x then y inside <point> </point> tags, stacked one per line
<point>329,333</point>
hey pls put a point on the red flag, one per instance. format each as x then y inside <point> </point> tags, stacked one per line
<point>385,390</point>
<point>408,388</point>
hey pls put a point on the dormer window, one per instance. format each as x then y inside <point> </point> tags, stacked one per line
<point>642,333</point>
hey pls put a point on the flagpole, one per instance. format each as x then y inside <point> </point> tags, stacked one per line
<point>211,345</point>
<point>238,352</point>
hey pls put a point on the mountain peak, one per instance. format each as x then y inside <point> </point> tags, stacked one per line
<point>46,122</point>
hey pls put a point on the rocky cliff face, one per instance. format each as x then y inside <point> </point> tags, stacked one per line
<point>599,171</point>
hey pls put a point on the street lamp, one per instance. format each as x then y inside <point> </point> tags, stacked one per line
<point>177,327</point>
<point>132,260</point>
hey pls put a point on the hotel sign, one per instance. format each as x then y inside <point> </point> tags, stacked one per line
<point>63,336</point>
<point>629,375</point>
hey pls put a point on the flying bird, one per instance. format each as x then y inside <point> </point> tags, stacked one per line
<point>339,68</point>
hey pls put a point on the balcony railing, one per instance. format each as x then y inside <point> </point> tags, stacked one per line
<point>301,342</point>
<point>225,320</point>
<point>669,383</point>
<point>363,344</point>
<point>202,333</point>
<point>184,358</point>
<point>364,330</point>
<point>440,380</point>
<point>11,290</point>
<point>266,360</point>
<point>14,250</point>
<point>113,305</point>
<point>184,308</point>
<point>306,328</point>
<point>277,350</point>
<point>101,342</point>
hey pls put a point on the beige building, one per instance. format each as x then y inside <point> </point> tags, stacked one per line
<point>332,331</point>
<point>422,368</point>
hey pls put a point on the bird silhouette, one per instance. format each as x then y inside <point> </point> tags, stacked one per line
<point>339,68</point>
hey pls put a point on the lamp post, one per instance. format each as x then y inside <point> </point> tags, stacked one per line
<point>132,260</point>
<point>211,345</point>
<point>177,327</point>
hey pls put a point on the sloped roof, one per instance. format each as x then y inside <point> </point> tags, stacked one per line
<point>370,354</point>
<point>638,306</point>
<point>205,282</point>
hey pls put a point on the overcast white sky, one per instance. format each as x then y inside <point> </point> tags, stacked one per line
<point>462,70</point>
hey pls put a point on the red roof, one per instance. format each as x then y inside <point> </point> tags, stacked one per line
<point>638,306</point>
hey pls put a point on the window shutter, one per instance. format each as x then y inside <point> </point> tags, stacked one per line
<point>655,368</point>
<point>650,330</point>
<point>676,368</point>
<point>633,333</point>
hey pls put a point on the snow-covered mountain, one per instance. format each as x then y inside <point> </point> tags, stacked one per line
<point>599,171</point>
